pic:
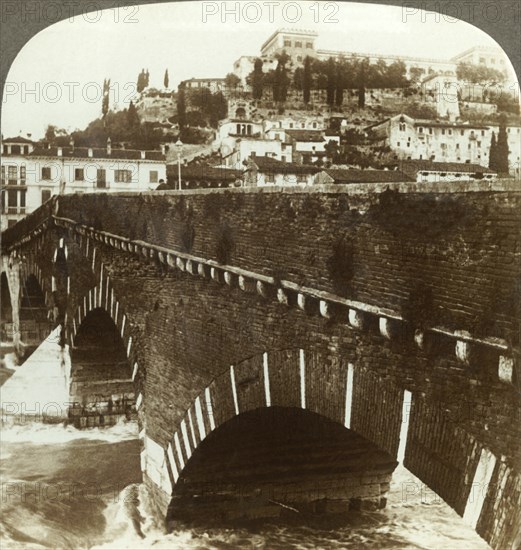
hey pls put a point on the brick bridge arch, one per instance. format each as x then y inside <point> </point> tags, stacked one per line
<point>101,383</point>
<point>299,380</point>
<point>191,316</point>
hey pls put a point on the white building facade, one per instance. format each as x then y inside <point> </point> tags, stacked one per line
<point>445,141</point>
<point>31,179</point>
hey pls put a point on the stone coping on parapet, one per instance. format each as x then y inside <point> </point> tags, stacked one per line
<point>498,186</point>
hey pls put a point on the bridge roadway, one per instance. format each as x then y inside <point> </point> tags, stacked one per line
<point>244,323</point>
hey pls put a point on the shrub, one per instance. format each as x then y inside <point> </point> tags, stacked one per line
<point>225,245</point>
<point>340,265</point>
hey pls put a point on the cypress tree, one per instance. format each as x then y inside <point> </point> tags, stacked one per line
<point>166,79</point>
<point>181,106</point>
<point>339,94</point>
<point>331,81</point>
<point>306,81</point>
<point>492,156</point>
<point>502,150</point>
<point>105,100</point>
<point>257,77</point>
<point>141,81</point>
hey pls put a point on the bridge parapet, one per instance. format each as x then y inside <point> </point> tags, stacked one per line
<point>387,279</point>
<point>390,324</point>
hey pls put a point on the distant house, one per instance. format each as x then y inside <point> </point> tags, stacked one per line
<point>31,173</point>
<point>424,170</point>
<point>236,150</point>
<point>441,91</point>
<point>351,175</point>
<point>444,141</point>
<point>308,145</point>
<point>212,84</point>
<point>264,171</point>
<point>238,127</point>
<point>201,176</point>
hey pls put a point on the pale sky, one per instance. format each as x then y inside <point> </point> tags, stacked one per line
<point>58,75</point>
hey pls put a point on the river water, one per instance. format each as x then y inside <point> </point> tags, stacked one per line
<point>63,488</point>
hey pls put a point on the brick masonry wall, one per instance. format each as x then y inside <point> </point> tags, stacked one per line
<point>457,254</point>
<point>438,258</point>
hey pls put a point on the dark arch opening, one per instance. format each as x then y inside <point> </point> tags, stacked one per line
<point>32,306</point>
<point>101,388</point>
<point>280,462</point>
<point>35,325</point>
<point>5,297</point>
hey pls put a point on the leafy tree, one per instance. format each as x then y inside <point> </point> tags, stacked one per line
<point>420,110</point>
<point>395,75</point>
<point>232,81</point>
<point>50,133</point>
<point>416,74</point>
<point>479,74</point>
<point>211,106</point>
<point>332,149</point>
<point>218,108</point>
<point>166,79</point>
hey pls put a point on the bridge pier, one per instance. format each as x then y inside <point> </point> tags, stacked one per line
<point>11,267</point>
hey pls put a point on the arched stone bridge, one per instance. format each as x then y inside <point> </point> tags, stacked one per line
<point>284,349</point>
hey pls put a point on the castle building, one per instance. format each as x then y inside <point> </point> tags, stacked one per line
<point>299,44</point>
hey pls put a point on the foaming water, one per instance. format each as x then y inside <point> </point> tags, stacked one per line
<point>39,433</point>
<point>80,489</point>
<point>411,521</point>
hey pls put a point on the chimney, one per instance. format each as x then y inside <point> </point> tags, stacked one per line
<point>109,147</point>
<point>90,152</point>
<point>143,154</point>
<point>60,152</point>
<point>71,143</point>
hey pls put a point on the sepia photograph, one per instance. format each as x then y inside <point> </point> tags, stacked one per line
<point>260,275</point>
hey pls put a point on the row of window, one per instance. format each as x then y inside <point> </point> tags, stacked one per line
<point>444,131</point>
<point>15,149</point>
<point>11,177</point>
<point>443,145</point>
<point>15,201</point>
<point>492,61</point>
<point>297,44</point>
<point>270,178</point>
